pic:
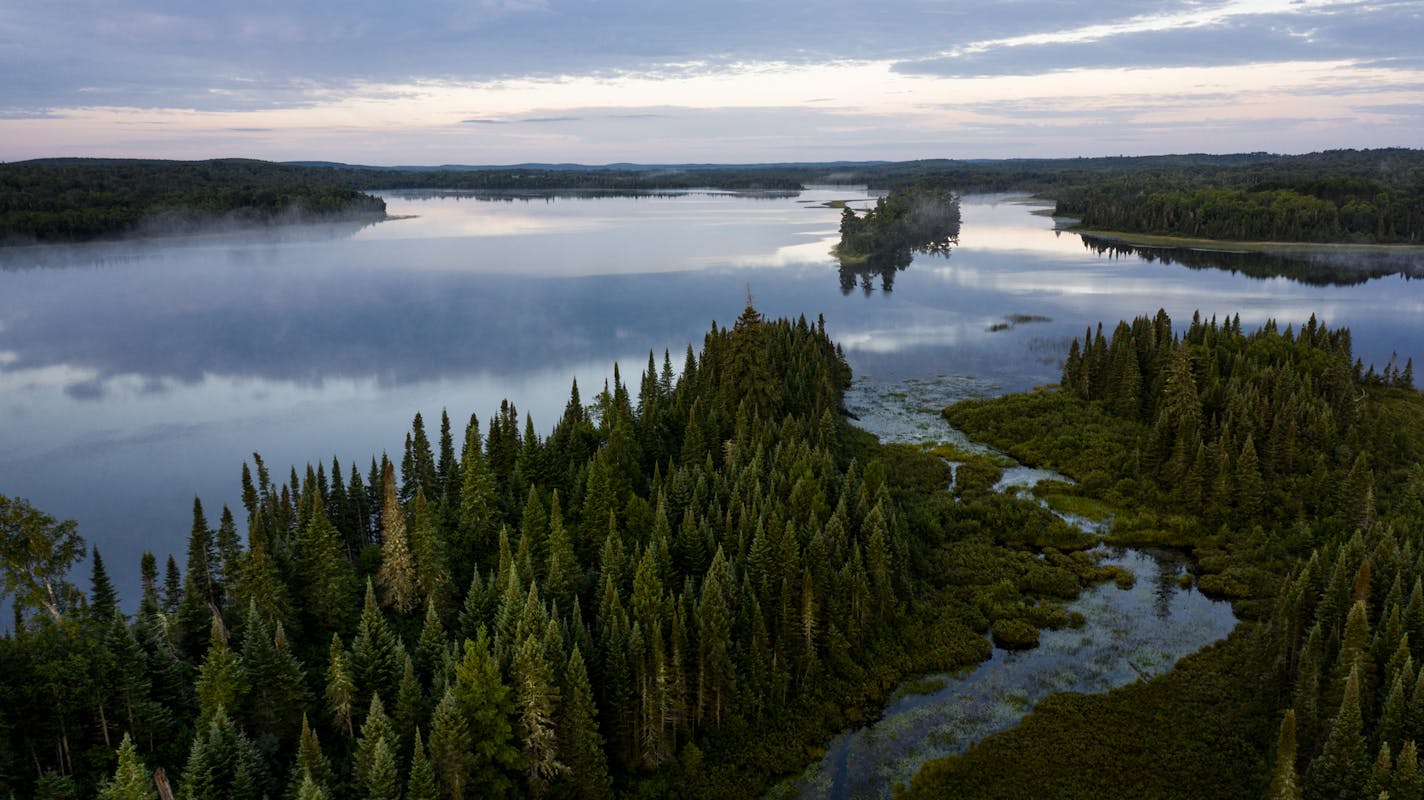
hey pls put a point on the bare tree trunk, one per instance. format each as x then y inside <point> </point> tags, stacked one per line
<point>160,779</point>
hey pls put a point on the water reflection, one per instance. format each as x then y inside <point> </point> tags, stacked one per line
<point>136,374</point>
<point>1326,267</point>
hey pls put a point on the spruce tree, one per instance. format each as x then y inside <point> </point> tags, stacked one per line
<point>422,784</point>
<point>222,679</point>
<point>1342,766</point>
<point>452,746</point>
<point>103,601</point>
<point>377,655</point>
<point>1285,785</point>
<point>485,704</point>
<point>536,700</point>
<point>340,687</point>
<point>222,764</point>
<point>580,741</point>
<point>396,576</point>
<point>130,781</point>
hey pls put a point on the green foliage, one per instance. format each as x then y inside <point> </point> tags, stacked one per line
<point>36,552</point>
<point>1198,731</point>
<point>685,592</point>
<point>130,781</point>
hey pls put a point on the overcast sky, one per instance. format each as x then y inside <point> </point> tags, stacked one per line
<point>506,81</point>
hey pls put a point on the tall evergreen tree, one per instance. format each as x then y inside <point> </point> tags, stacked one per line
<point>130,781</point>
<point>397,574</point>
<point>103,600</point>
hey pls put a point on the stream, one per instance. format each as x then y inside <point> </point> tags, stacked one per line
<point>1129,634</point>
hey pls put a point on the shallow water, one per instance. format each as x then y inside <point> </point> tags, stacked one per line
<point>1128,634</point>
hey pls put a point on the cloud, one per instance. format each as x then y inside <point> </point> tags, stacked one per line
<point>561,80</point>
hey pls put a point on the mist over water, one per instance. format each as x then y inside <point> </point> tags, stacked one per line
<point>134,375</point>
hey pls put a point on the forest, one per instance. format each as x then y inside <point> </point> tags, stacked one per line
<point>1369,196</point>
<point>684,591</point>
<point>1295,476</point>
<point>680,591</point>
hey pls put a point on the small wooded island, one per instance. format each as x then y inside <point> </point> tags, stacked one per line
<point>694,581</point>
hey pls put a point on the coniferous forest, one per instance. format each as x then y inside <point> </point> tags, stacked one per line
<point>691,584</point>
<point>680,591</point>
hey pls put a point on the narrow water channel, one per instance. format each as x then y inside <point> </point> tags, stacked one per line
<point>1129,634</point>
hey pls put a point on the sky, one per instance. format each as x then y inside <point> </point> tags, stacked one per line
<point>733,81</point>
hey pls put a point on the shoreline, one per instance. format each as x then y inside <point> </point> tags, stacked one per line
<point>1230,246</point>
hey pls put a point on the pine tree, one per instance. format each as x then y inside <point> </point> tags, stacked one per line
<point>309,789</point>
<point>432,573</point>
<point>410,709</point>
<point>382,780</point>
<point>172,587</point>
<point>278,695</point>
<point>563,574</point>
<point>375,730</point>
<point>130,781</point>
<point>324,579</point>
<point>430,647</point>
<point>1378,782</point>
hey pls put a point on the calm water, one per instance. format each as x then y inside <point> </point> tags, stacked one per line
<point>135,376</point>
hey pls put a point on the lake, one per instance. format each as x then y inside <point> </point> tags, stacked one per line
<point>136,375</point>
